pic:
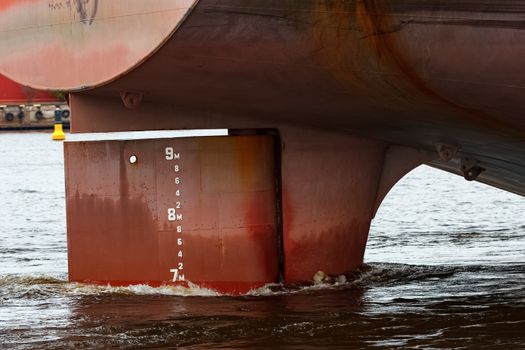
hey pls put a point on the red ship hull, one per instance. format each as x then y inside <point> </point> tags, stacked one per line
<point>22,107</point>
<point>183,209</point>
<point>12,93</point>
<point>346,97</point>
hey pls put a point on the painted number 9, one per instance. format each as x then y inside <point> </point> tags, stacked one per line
<point>170,154</point>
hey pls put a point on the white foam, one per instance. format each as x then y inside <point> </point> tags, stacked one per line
<point>139,289</point>
<point>273,289</point>
<point>54,285</point>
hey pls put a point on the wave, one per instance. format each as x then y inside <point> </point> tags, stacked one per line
<point>23,286</point>
<point>371,274</point>
<point>24,280</point>
<point>388,274</point>
<point>140,289</point>
<point>25,191</point>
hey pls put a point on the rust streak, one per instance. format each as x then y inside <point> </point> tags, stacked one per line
<point>381,33</point>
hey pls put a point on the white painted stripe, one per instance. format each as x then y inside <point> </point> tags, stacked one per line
<point>144,135</point>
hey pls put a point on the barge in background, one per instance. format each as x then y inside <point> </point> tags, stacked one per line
<point>22,107</point>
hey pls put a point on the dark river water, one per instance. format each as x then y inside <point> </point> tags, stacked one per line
<point>444,269</point>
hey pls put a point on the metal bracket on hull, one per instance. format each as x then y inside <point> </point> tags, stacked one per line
<point>446,152</point>
<point>470,169</point>
<point>131,99</point>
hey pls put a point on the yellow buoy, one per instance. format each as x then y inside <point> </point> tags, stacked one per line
<point>58,134</point>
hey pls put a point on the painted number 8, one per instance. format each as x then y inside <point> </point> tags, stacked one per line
<point>171,214</point>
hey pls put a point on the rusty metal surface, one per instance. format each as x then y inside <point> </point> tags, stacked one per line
<point>59,45</point>
<point>119,226</point>
<point>408,72</point>
<point>207,209</point>
<point>330,183</point>
<point>413,73</point>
